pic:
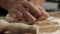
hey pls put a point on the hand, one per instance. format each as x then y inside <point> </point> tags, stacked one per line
<point>38,4</point>
<point>44,14</point>
<point>27,11</point>
<point>21,11</point>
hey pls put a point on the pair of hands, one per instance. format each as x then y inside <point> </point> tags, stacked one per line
<point>27,11</point>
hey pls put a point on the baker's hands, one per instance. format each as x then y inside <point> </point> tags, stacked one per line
<point>27,11</point>
<point>20,11</point>
<point>44,14</point>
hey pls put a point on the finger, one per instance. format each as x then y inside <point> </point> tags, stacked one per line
<point>18,14</point>
<point>26,14</point>
<point>33,8</point>
<point>43,10</point>
<point>12,14</point>
<point>34,14</point>
<point>44,14</point>
<point>41,17</point>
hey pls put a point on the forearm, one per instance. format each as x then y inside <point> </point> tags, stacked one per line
<point>6,4</point>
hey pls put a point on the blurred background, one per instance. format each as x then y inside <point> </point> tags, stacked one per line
<point>52,5</point>
<point>49,5</point>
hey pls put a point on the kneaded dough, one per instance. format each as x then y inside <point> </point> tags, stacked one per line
<point>45,26</point>
<point>3,24</point>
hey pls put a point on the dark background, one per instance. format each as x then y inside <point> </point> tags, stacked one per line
<point>3,12</point>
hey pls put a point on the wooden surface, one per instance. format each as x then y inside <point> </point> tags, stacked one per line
<point>56,14</point>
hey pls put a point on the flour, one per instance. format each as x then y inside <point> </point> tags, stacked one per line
<point>56,32</point>
<point>53,20</point>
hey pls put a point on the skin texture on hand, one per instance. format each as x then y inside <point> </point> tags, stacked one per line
<point>40,2</point>
<point>27,10</point>
<point>6,4</point>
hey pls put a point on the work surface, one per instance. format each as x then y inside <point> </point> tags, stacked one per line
<point>56,14</point>
<point>47,27</point>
